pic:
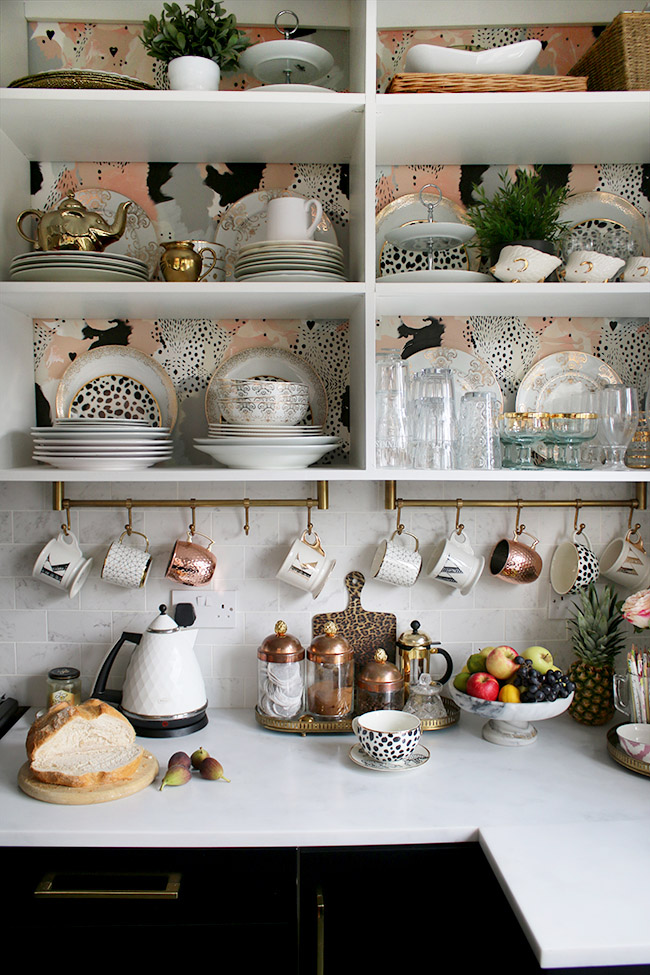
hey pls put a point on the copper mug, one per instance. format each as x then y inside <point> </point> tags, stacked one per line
<point>192,564</point>
<point>515,562</point>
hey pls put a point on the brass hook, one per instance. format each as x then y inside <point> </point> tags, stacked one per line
<point>578,529</point>
<point>66,528</point>
<point>636,527</point>
<point>519,528</point>
<point>129,526</point>
<point>310,527</point>
<point>247,506</point>
<point>459,525</point>
<point>193,521</point>
<point>400,526</point>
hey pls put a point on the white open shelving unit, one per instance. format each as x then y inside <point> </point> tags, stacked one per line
<point>359,128</point>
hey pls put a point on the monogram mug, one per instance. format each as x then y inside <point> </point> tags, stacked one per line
<point>62,564</point>
<point>306,566</point>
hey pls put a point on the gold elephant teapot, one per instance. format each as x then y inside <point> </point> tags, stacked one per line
<point>71,226</point>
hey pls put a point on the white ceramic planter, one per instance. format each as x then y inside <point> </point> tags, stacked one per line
<point>190,73</point>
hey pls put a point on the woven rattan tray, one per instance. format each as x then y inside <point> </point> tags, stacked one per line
<point>413,83</point>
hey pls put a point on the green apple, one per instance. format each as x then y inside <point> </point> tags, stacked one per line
<point>460,680</point>
<point>540,658</point>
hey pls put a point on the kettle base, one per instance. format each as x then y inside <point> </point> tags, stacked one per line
<point>167,727</point>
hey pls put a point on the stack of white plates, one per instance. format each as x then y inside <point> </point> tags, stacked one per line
<point>290,260</point>
<point>77,266</point>
<point>108,444</point>
<point>266,446</point>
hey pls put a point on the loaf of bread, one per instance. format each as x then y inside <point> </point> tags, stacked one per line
<point>82,746</point>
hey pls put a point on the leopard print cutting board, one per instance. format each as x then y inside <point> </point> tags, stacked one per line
<point>366,631</point>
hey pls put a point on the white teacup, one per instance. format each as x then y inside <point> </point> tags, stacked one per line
<point>584,266</point>
<point>573,565</point>
<point>306,565</point>
<point>209,272</point>
<point>290,218</point>
<point>127,565</point>
<point>626,563</point>
<point>518,263</point>
<point>388,736</point>
<point>62,564</point>
<point>636,269</point>
<point>395,563</point>
<point>454,563</point>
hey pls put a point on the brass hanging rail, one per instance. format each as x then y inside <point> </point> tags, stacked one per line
<point>61,503</point>
<point>638,503</point>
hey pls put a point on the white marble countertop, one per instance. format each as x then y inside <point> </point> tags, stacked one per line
<point>583,899</point>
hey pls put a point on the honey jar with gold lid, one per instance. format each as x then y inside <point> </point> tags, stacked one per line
<point>380,686</point>
<point>330,675</point>
<point>281,674</point>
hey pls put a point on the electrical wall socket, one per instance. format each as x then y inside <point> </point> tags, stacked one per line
<point>213,609</point>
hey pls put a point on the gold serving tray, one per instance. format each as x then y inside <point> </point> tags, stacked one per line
<point>306,724</point>
<point>617,753</point>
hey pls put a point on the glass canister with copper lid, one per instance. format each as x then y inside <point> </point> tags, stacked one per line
<point>281,674</point>
<point>330,676</point>
<point>380,686</point>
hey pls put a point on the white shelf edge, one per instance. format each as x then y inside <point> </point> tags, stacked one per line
<point>168,475</point>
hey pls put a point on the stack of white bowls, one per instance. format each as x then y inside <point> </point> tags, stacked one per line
<point>258,423</point>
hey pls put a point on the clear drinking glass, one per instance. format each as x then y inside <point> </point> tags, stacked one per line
<point>479,446</point>
<point>567,431</point>
<point>522,430</point>
<point>391,401</point>
<point>618,420</point>
<point>432,419</point>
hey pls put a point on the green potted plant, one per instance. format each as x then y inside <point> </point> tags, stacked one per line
<point>522,211</point>
<point>196,42</point>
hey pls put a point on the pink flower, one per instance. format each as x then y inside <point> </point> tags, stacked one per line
<point>636,609</point>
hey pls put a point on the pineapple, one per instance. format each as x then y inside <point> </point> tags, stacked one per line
<point>596,641</point>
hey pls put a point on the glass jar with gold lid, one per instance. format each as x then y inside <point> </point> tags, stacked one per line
<point>380,686</point>
<point>330,676</point>
<point>281,674</point>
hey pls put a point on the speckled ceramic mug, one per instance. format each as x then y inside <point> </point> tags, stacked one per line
<point>395,563</point>
<point>573,565</point>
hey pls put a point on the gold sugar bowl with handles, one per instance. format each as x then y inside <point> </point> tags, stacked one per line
<point>415,649</point>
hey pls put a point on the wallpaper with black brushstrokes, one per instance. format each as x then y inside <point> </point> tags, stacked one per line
<point>242,178</point>
<point>159,173</point>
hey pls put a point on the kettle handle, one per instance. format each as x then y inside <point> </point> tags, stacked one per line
<point>19,220</point>
<point>99,690</point>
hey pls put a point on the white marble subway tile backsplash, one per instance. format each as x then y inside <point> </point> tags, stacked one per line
<point>40,628</point>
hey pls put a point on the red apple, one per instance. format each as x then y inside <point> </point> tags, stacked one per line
<point>500,662</point>
<point>483,685</point>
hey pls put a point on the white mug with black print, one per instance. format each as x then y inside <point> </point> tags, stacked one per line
<point>62,564</point>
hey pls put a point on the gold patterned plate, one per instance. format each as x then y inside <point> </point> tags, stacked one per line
<point>134,373</point>
<point>79,78</point>
<point>617,753</point>
<point>561,382</point>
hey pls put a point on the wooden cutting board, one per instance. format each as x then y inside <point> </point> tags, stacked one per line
<point>366,631</point>
<point>64,795</point>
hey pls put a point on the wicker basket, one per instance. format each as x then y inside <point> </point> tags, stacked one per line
<point>437,83</point>
<point>619,60</point>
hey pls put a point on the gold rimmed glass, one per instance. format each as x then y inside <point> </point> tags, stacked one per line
<point>519,432</point>
<point>566,432</point>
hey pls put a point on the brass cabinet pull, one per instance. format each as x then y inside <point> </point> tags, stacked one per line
<point>168,890</point>
<point>320,932</point>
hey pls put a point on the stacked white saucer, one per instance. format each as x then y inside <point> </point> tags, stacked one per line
<point>77,266</point>
<point>290,260</point>
<point>265,446</point>
<point>101,444</point>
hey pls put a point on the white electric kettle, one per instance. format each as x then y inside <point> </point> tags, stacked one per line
<point>163,692</point>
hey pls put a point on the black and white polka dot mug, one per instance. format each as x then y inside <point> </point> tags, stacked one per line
<point>387,736</point>
<point>574,565</point>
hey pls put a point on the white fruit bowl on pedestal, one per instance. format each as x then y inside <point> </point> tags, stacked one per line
<point>509,724</point>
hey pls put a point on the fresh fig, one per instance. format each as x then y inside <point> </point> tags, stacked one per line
<point>176,775</point>
<point>180,758</point>
<point>198,756</point>
<point>212,769</point>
